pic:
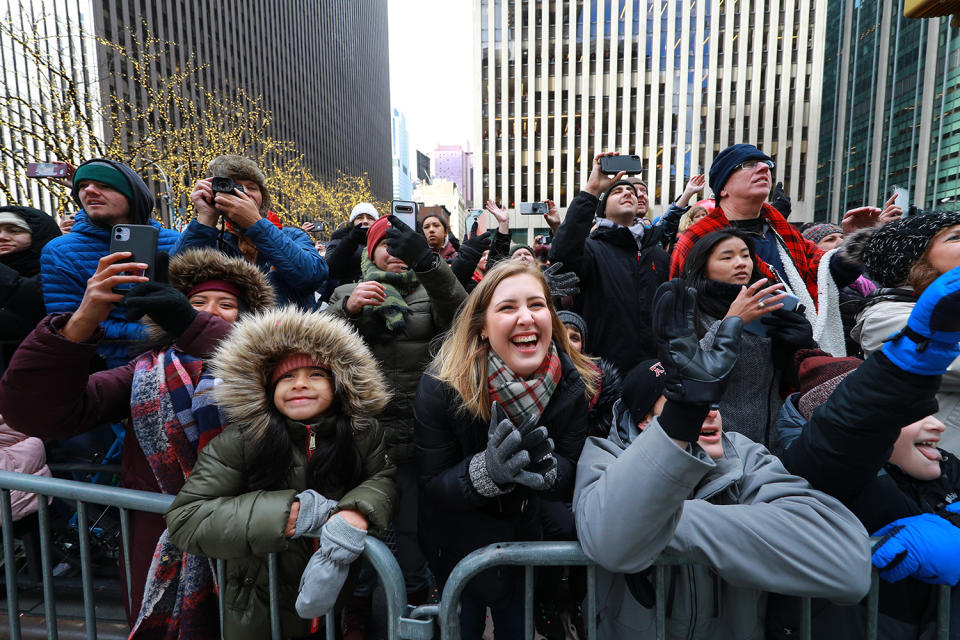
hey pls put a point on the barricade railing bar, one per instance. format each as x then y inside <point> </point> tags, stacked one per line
<point>403,621</point>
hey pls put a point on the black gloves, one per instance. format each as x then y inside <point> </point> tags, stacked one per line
<point>166,306</point>
<point>561,284</point>
<point>694,377</point>
<point>780,201</point>
<point>358,235</point>
<point>474,245</point>
<point>408,245</point>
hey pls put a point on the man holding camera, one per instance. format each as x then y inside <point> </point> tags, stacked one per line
<point>108,193</point>
<point>620,266</point>
<point>236,198</point>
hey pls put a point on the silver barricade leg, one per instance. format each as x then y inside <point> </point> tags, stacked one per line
<point>661,596</point>
<point>86,571</point>
<point>943,612</point>
<point>10,565</point>
<point>592,602</point>
<point>221,585</point>
<point>274,596</point>
<point>873,605</point>
<point>390,576</point>
<point>528,602</point>
<point>330,625</point>
<point>49,603</point>
<point>806,621</point>
<point>125,540</point>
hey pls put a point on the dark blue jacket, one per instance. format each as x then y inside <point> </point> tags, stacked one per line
<point>286,255</point>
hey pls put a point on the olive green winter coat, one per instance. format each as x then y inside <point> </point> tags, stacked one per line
<point>404,356</point>
<point>216,515</point>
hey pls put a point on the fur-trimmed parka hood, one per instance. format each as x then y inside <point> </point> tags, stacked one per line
<point>195,266</point>
<point>245,360</point>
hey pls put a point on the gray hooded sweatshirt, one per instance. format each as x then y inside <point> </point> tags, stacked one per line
<point>749,526</point>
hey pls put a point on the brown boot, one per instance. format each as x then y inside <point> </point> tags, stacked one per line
<point>356,617</point>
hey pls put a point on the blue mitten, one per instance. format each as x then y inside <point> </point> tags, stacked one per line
<point>928,344</point>
<point>922,547</point>
<point>320,584</point>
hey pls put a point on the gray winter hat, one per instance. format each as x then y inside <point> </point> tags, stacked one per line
<point>575,320</point>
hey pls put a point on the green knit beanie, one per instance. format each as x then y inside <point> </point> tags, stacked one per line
<point>105,173</point>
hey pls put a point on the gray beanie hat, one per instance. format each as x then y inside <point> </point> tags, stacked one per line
<point>889,252</point>
<point>574,320</point>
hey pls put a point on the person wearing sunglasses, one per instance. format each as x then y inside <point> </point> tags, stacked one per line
<point>741,178</point>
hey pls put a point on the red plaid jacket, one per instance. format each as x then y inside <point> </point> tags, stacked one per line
<point>806,255</point>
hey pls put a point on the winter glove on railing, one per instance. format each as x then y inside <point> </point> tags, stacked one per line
<point>165,305</point>
<point>340,544</point>
<point>543,462</point>
<point>561,284</point>
<point>928,344</point>
<point>408,245</point>
<point>315,509</point>
<point>922,547</point>
<point>694,377</point>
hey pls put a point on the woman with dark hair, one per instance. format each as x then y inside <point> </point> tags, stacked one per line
<point>720,266</point>
<point>500,419</point>
<point>23,234</point>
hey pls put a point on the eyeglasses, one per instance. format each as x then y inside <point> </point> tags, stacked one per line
<point>752,164</point>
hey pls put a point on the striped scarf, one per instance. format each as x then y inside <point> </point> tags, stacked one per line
<point>393,311</point>
<point>523,397</point>
<point>180,598</point>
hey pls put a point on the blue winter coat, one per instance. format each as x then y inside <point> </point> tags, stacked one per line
<point>68,262</point>
<point>287,256</point>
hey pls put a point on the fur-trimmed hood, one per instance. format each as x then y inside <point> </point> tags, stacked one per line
<point>245,360</point>
<point>194,266</point>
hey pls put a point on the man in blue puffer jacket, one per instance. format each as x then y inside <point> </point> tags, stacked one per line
<point>109,193</point>
<point>286,255</point>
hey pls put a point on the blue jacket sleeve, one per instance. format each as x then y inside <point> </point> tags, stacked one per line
<point>292,254</point>
<point>63,282</point>
<point>196,236</point>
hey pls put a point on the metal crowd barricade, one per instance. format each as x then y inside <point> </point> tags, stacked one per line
<point>403,621</point>
<point>127,500</point>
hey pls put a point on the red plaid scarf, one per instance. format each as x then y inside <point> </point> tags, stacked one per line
<point>806,255</point>
<point>523,397</point>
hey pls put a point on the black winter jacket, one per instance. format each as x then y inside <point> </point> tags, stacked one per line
<point>454,519</point>
<point>843,451</point>
<point>343,255</point>
<point>617,282</point>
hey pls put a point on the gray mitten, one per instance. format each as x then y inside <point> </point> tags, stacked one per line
<point>315,510</point>
<point>340,545</point>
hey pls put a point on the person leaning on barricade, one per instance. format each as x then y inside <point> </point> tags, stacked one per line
<point>153,392</point>
<point>870,440</point>
<point>747,525</point>
<point>620,265</point>
<point>500,418</point>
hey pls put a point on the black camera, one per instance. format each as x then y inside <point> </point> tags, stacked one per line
<point>224,185</point>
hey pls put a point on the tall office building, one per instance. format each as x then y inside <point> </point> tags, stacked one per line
<point>322,68</point>
<point>674,82</point>
<point>452,162</point>
<point>891,109</point>
<point>402,182</point>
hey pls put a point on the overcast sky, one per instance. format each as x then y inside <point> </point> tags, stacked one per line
<point>431,70</point>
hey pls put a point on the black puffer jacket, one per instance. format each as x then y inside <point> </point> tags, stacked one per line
<point>617,282</point>
<point>454,518</point>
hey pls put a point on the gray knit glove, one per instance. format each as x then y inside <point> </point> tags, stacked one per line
<point>495,470</point>
<point>320,584</point>
<point>542,470</point>
<point>315,510</point>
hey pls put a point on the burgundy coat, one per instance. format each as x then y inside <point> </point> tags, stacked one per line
<point>47,392</point>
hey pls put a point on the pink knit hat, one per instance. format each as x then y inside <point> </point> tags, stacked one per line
<point>291,362</point>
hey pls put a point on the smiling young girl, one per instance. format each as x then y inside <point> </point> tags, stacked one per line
<point>484,471</point>
<point>301,457</point>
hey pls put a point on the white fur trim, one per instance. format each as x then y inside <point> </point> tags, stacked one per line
<point>824,317</point>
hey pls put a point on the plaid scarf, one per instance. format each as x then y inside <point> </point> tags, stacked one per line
<point>392,313</point>
<point>523,397</point>
<point>180,598</point>
<point>804,254</point>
